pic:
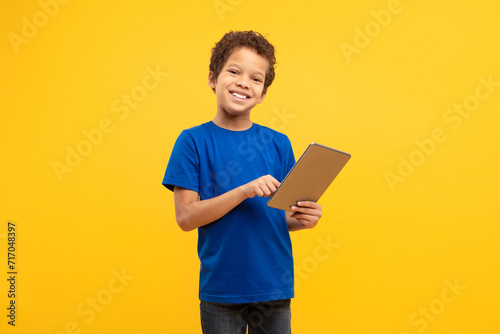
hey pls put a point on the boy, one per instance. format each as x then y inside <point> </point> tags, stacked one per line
<point>221,173</point>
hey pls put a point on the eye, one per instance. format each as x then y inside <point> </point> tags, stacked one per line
<point>232,72</point>
<point>257,79</point>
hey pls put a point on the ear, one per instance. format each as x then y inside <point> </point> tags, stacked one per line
<point>211,82</point>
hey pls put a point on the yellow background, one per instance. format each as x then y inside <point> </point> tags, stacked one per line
<point>396,247</point>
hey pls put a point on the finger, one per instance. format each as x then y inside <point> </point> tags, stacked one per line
<point>305,210</point>
<point>309,204</point>
<point>268,186</point>
<point>271,179</point>
<point>304,217</point>
<point>307,223</point>
<point>275,182</point>
<point>272,187</point>
<point>266,191</point>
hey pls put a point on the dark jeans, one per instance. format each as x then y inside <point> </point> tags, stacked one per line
<point>272,317</point>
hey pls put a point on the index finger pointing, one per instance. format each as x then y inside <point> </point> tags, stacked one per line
<point>274,181</point>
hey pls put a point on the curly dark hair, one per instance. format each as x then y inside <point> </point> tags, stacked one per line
<point>237,39</point>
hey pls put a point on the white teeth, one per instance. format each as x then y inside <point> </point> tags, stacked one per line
<point>239,96</point>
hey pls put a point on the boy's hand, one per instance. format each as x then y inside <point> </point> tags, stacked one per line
<point>264,186</point>
<point>308,213</point>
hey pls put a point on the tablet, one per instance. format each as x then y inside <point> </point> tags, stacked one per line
<point>309,178</point>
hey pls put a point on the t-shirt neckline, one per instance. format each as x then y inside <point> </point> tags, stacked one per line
<point>233,131</point>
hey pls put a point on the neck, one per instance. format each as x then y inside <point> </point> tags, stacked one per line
<point>233,123</point>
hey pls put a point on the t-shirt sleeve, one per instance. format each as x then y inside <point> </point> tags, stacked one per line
<point>183,169</point>
<point>289,157</point>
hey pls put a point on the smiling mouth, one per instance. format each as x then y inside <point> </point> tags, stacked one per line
<point>240,96</point>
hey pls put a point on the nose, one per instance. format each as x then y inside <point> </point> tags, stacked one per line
<point>243,83</point>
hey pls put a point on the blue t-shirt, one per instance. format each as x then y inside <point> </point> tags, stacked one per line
<point>246,256</point>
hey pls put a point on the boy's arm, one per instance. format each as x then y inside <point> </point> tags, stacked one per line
<point>306,214</point>
<point>192,213</point>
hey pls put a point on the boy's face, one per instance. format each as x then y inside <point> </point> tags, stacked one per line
<point>240,83</point>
